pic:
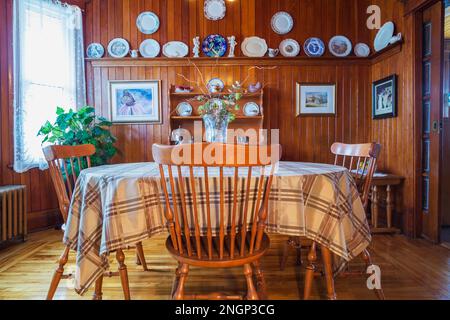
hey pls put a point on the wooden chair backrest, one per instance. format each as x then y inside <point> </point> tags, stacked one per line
<point>361,160</point>
<point>239,158</point>
<point>65,163</point>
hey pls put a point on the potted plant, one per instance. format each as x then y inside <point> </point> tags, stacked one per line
<point>81,127</point>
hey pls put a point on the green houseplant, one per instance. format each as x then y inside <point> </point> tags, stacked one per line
<point>81,127</point>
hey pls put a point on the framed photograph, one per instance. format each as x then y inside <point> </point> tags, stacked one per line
<point>135,101</point>
<point>384,98</point>
<point>316,99</point>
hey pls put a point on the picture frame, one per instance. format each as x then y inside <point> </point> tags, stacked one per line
<point>135,101</point>
<point>316,99</point>
<point>384,98</point>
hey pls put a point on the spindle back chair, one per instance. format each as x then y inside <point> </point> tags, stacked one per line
<point>361,161</point>
<point>65,164</point>
<point>217,220</point>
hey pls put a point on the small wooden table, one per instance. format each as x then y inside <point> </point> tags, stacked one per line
<point>388,181</point>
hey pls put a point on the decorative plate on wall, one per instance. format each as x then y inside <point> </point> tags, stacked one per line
<point>314,47</point>
<point>254,47</point>
<point>340,46</point>
<point>149,48</point>
<point>95,51</point>
<point>175,49</point>
<point>362,50</point>
<point>282,22</point>
<point>215,9</point>
<point>216,85</point>
<point>147,22</point>
<point>290,48</point>
<point>251,109</point>
<point>184,109</point>
<point>118,48</point>
<point>215,46</point>
<point>384,36</point>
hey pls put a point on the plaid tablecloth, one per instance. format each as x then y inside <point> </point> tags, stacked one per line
<point>119,205</point>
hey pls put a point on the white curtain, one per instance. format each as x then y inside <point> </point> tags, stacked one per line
<point>48,72</point>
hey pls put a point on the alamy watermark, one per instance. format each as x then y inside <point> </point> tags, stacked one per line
<point>374,280</point>
<point>374,20</point>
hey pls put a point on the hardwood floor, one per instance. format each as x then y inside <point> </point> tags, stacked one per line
<point>411,269</point>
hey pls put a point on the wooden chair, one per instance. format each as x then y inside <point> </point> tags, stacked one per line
<point>239,240</point>
<point>361,160</point>
<point>65,164</point>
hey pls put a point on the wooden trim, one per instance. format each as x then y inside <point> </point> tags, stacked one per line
<point>413,6</point>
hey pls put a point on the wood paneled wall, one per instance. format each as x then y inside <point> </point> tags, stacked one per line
<point>308,138</point>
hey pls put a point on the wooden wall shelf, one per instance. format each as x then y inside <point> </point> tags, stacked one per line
<point>245,61</point>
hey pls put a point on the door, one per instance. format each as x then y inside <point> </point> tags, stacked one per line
<point>432,119</point>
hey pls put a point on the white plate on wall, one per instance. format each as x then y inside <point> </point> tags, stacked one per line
<point>175,49</point>
<point>118,48</point>
<point>95,51</point>
<point>254,47</point>
<point>340,46</point>
<point>184,109</point>
<point>362,50</point>
<point>282,22</point>
<point>384,36</point>
<point>290,48</point>
<point>149,48</point>
<point>251,109</point>
<point>147,22</point>
<point>215,9</point>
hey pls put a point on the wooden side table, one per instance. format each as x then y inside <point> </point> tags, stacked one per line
<point>389,182</point>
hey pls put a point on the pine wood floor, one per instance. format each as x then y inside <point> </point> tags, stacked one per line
<point>411,269</point>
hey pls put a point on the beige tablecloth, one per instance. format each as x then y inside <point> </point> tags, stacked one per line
<point>119,205</point>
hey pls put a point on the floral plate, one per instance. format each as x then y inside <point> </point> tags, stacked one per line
<point>214,46</point>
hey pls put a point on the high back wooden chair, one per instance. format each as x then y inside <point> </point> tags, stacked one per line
<point>233,221</point>
<point>361,161</point>
<point>65,163</point>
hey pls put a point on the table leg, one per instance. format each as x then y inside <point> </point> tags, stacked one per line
<point>389,205</point>
<point>328,267</point>
<point>375,207</point>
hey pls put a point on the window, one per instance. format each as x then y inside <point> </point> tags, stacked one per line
<point>48,72</point>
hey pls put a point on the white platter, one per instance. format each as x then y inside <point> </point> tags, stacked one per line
<point>147,22</point>
<point>175,49</point>
<point>149,48</point>
<point>290,48</point>
<point>362,50</point>
<point>254,47</point>
<point>95,51</point>
<point>251,109</point>
<point>215,9</point>
<point>216,82</point>
<point>282,22</point>
<point>184,109</point>
<point>118,48</point>
<point>384,36</point>
<point>340,46</point>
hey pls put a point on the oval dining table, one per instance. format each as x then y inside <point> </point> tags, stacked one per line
<point>116,206</point>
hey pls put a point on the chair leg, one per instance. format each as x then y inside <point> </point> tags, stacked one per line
<point>120,256</point>
<point>328,268</point>
<point>141,256</point>
<point>294,242</point>
<point>181,274</point>
<point>261,287</point>
<point>310,269</point>
<point>368,260</point>
<point>58,273</point>
<point>98,294</point>
<point>251,290</point>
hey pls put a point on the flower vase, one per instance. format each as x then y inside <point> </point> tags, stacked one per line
<point>216,128</point>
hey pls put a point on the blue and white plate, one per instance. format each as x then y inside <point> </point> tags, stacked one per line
<point>214,46</point>
<point>216,85</point>
<point>118,48</point>
<point>95,51</point>
<point>147,22</point>
<point>314,47</point>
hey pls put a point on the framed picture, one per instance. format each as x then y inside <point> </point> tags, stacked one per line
<point>384,98</point>
<point>135,101</point>
<point>316,99</point>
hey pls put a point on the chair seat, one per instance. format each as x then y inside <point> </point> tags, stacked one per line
<point>215,262</point>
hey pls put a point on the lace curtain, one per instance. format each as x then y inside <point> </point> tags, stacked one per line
<point>48,72</point>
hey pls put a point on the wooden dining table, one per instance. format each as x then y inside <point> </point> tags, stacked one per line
<point>115,206</point>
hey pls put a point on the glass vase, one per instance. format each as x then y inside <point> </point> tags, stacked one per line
<point>216,128</point>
